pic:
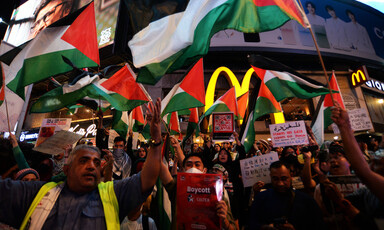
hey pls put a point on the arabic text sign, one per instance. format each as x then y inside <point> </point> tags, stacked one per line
<point>256,169</point>
<point>359,119</point>
<point>289,133</point>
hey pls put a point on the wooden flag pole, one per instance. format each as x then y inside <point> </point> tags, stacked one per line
<point>320,57</point>
<point>6,109</point>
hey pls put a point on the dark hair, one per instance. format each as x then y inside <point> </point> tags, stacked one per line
<point>229,161</point>
<point>349,12</point>
<point>277,165</point>
<point>310,3</point>
<point>336,149</point>
<point>117,139</point>
<point>328,7</point>
<point>193,155</point>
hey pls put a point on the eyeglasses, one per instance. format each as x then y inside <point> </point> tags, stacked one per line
<point>47,16</point>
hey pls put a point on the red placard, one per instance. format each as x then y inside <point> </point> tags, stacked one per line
<point>197,196</point>
<point>223,122</point>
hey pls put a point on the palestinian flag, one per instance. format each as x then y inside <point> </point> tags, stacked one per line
<point>226,103</point>
<point>2,85</point>
<point>242,103</point>
<point>189,93</point>
<point>284,84</point>
<point>121,91</point>
<point>193,124</point>
<point>172,120</point>
<point>137,119</point>
<point>183,28</point>
<point>265,104</point>
<point>120,123</point>
<point>73,37</point>
<point>73,109</point>
<point>322,118</point>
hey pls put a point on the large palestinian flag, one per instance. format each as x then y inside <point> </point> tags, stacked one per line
<point>168,35</point>
<point>73,37</point>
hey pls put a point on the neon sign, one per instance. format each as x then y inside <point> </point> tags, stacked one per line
<point>359,77</point>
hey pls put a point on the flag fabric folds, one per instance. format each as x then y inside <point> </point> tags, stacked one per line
<point>226,103</point>
<point>322,118</point>
<point>193,124</point>
<point>189,93</point>
<point>121,91</point>
<point>120,123</point>
<point>73,37</point>
<point>183,29</point>
<point>137,119</point>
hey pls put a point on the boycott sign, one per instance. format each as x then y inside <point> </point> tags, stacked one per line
<point>256,169</point>
<point>359,119</point>
<point>289,133</point>
<point>51,126</point>
<point>197,196</point>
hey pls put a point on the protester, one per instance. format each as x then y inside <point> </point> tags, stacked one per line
<point>282,207</point>
<point>138,218</point>
<point>79,203</point>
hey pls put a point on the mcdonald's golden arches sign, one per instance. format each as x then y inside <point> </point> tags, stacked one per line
<point>359,76</point>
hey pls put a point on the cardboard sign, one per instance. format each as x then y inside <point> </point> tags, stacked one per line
<point>50,126</point>
<point>256,168</point>
<point>56,143</point>
<point>197,196</point>
<point>223,125</point>
<point>289,133</point>
<point>359,120</point>
<point>347,184</point>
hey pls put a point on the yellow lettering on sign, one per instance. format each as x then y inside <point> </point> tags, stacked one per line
<point>357,77</point>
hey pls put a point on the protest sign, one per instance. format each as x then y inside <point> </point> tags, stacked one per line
<point>223,125</point>
<point>51,126</point>
<point>289,133</point>
<point>197,196</point>
<point>56,143</point>
<point>347,183</point>
<point>256,168</point>
<point>359,120</point>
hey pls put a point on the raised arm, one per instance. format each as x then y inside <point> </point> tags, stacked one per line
<point>151,168</point>
<point>180,154</point>
<point>372,180</point>
<point>17,153</point>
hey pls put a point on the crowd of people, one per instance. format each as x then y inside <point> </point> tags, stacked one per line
<point>93,187</point>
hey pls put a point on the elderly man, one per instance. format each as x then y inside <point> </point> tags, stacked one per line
<point>282,207</point>
<point>82,202</point>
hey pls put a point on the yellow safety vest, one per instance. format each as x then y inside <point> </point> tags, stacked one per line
<point>107,196</point>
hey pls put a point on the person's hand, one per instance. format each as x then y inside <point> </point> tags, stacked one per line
<point>221,211</point>
<point>130,133</point>
<point>153,116</point>
<point>174,142</point>
<point>258,186</point>
<point>340,116</point>
<point>99,113</point>
<point>13,140</point>
<point>235,135</point>
<point>333,192</point>
<point>307,155</point>
<point>108,159</point>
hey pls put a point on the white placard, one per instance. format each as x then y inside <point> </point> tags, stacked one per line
<point>289,133</point>
<point>56,143</point>
<point>256,168</point>
<point>359,120</point>
<point>51,126</point>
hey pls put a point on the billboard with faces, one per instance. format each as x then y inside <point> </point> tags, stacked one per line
<point>341,28</point>
<point>34,15</point>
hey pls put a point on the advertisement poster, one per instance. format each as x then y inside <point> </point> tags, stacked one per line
<point>223,125</point>
<point>51,126</point>
<point>256,168</point>
<point>359,119</point>
<point>289,133</point>
<point>197,195</point>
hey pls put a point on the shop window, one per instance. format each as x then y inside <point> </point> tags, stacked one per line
<point>375,106</point>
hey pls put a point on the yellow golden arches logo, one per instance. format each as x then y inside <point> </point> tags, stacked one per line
<point>240,90</point>
<point>357,77</point>
<point>231,78</point>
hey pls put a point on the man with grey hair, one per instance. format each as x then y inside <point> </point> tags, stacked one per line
<point>82,201</point>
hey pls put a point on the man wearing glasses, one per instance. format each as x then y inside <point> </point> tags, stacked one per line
<point>48,12</point>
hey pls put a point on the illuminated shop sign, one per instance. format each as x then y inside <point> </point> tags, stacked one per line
<point>375,84</point>
<point>90,130</point>
<point>359,77</point>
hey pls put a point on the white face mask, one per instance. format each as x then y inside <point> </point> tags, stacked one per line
<point>193,170</point>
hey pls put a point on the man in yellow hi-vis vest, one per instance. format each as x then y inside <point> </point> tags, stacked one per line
<point>81,202</point>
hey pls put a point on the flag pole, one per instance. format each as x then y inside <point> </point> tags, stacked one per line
<point>6,109</point>
<point>320,57</point>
